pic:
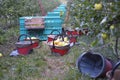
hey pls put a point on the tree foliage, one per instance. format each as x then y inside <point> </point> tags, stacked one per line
<point>11,10</point>
<point>84,15</point>
<point>103,23</point>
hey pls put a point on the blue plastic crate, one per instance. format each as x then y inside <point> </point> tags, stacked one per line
<point>23,29</point>
<point>53,14</point>
<point>62,5</point>
<point>22,26</point>
<point>35,32</point>
<point>53,24</point>
<point>21,20</point>
<point>59,10</point>
<point>53,27</point>
<point>43,37</point>
<point>56,13</point>
<point>39,35</point>
<point>48,31</point>
<point>52,18</point>
<point>62,8</point>
<point>23,32</point>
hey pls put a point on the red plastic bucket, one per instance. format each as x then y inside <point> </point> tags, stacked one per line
<point>72,36</point>
<point>51,36</point>
<point>24,47</point>
<point>35,44</point>
<point>93,64</point>
<point>73,39</point>
<point>114,74</point>
<point>59,50</point>
<point>80,33</point>
<point>24,50</point>
<point>72,32</point>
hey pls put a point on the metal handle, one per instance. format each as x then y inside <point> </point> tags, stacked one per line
<point>54,31</point>
<point>115,67</point>
<point>25,37</point>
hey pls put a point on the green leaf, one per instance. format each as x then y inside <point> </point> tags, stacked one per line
<point>94,43</point>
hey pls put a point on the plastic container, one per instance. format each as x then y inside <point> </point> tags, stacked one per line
<point>114,74</point>
<point>48,31</point>
<point>51,24</point>
<point>23,32</point>
<point>59,50</point>
<point>52,36</point>
<point>35,42</point>
<point>93,64</point>
<point>73,34</point>
<point>53,14</point>
<point>24,47</point>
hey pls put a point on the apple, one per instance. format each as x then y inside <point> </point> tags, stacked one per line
<point>104,35</point>
<point>112,27</point>
<point>65,39</point>
<point>98,6</point>
<point>1,55</point>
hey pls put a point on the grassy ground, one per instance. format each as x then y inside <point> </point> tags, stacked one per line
<point>41,65</point>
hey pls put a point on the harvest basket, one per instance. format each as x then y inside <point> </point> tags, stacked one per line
<point>93,64</point>
<point>114,74</point>
<point>52,36</point>
<point>72,35</point>
<point>24,47</point>
<point>58,50</point>
<point>35,42</point>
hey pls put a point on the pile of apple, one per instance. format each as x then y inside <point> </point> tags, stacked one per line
<point>60,42</point>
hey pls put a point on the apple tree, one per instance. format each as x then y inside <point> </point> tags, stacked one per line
<point>100,17</point>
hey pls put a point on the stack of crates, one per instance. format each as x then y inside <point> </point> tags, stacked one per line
<point>23,30</point>
<point>32,32</point>
<point>59,11</point>
<point>52,21</point>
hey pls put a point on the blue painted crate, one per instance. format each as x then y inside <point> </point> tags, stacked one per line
<point>48,31</point>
